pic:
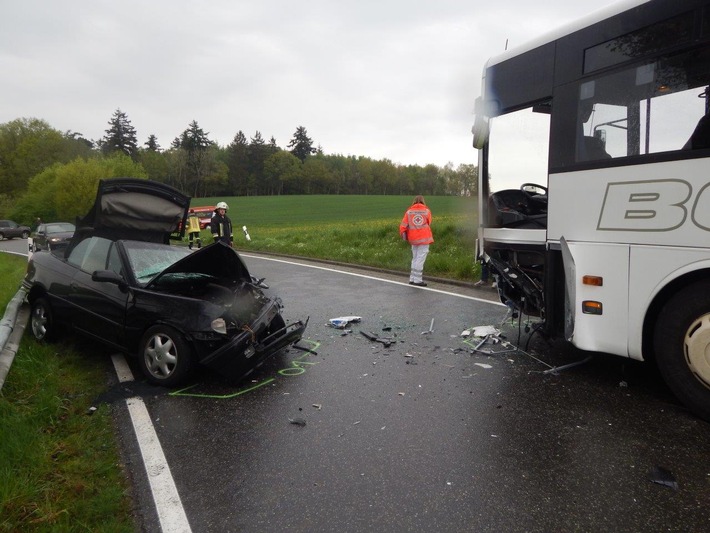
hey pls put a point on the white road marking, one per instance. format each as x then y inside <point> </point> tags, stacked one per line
<point>165,495</point>
<point>482,300</point>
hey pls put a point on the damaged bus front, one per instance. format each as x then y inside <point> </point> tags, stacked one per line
<point>594,197</point>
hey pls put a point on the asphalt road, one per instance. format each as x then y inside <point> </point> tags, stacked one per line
<point>423,435</point>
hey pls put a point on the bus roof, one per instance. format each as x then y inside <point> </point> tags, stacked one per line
<point>526,75</point>
<point>551,36</point>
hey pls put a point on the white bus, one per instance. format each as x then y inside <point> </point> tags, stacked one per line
<point>594,185</point>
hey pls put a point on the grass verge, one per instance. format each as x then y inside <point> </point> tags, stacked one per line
<point>360,230</point>
<point>60,467</point>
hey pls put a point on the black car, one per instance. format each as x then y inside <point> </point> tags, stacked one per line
<point>10,230</point>
<point>120,281</point>
<point>52,236</point>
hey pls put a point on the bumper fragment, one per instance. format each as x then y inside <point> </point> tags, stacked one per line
<point>241,355</point>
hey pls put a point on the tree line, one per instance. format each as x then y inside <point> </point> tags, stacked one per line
<point>32,151</point>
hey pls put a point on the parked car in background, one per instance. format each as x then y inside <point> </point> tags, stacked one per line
<point>52,236</point>
<point>10,230</point>
<point>119,281</point>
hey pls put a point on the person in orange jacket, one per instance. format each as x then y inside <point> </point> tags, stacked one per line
<point>415,228</point>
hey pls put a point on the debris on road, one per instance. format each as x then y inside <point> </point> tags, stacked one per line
<point>557,369</point>
<point>342,321</point>
<point>386,341</point>
<point>661,476</point>
<point>296,346</point>
<point>297,421</point>
<point>482,331</point>
<point>431,328</point>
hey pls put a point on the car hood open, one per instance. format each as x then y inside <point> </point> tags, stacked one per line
<point>218,260</point>
<point>134,209</point>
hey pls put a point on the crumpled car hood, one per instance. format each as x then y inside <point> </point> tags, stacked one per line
<point>218,260</point>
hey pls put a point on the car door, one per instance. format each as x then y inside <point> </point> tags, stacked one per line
<point>99,306</point>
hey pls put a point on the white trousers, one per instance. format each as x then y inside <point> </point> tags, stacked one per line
<point>419,253</point>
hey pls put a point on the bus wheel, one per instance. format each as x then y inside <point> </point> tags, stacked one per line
<point>682,346</point>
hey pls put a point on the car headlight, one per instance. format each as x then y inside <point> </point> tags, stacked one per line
<point>219,325</point>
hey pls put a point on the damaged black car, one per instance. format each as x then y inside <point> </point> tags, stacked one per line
<point>120,281</point>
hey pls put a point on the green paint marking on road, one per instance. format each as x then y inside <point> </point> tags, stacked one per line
<point>296,365</point>
<point>221,396</point>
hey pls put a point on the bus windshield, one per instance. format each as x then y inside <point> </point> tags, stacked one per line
<point>518,148</point>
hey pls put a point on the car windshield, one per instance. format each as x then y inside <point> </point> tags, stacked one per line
<point>61,227</point>
<point>148,259</point>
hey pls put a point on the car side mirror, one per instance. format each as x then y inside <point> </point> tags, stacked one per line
<point>109,276</point>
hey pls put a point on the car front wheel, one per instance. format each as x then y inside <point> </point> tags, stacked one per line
<point>682,346</point>
<point>165,357</point>
<point>42,320</point>
<point>25,234</point>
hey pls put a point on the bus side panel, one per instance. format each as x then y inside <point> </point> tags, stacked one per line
<point>606,332</point>
<point>651,269</point>
<point>663,203</point>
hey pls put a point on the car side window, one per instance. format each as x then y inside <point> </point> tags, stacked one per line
<point>96,257</point>
<point>114,260</point>
<point>91,254</point>
<point>76,257</point>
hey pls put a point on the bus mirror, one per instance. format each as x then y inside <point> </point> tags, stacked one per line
<point>480,132</point>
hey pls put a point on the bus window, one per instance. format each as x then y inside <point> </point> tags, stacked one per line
<point>518,148</point>
<point>646,109</point>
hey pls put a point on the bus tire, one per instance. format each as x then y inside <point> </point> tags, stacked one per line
<point>681,341</point>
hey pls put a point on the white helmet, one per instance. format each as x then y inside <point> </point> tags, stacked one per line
<point>222,205</point>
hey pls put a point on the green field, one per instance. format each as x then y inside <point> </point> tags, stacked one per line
<point>362,230</point>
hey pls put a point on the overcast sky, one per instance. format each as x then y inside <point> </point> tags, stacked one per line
<point>388,79</point>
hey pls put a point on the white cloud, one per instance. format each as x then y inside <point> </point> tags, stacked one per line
<point>383,79</point>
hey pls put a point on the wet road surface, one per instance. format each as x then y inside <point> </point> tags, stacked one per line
<point>423,435</point>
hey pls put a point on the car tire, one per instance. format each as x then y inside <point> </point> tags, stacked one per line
<point>682,346</point>
<point>2,236</point>
<point>165,357</point>
<point>42,320</point>
<point>25,234</point>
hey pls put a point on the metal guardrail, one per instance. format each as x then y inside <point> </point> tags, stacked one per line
<point>8,325</point>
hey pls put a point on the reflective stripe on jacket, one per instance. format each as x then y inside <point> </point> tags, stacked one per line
<point>416,222</point>
<point>221,227</point>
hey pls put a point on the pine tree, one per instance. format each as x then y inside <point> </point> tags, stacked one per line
<point>152,143</point>
<point>120,137</point>
<point>301,145</point>
<point>194,145</point>
<point>238,164</point>
<point>257,155</point>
